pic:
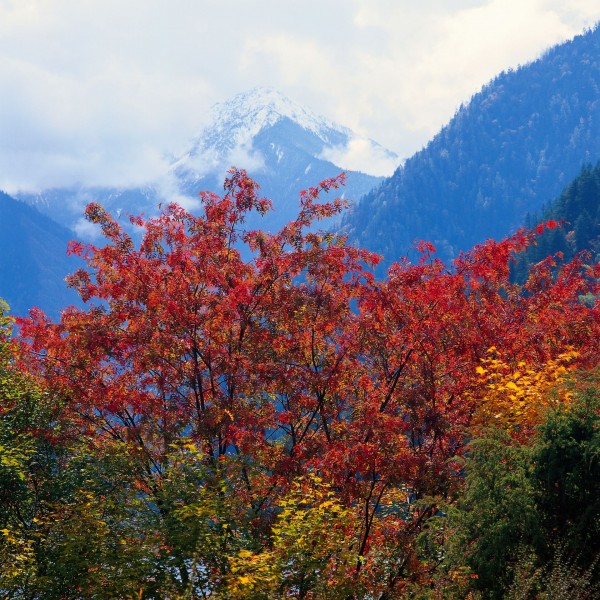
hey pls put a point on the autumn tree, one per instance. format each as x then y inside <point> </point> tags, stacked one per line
<point>527,517</point>
<point>222,382</point>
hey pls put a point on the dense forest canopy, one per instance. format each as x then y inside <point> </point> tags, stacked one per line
<point>578,210</point>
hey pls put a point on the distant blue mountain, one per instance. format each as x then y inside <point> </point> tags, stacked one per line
<point>511,149</point>
<point>33,259</point>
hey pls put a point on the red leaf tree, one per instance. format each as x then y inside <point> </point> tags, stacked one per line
<point>296,360</point>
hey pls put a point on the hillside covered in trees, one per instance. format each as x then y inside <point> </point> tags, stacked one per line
<point>577,209</point>
<point>506,153</point>
<point>289,427</point>
<point>34,261</point>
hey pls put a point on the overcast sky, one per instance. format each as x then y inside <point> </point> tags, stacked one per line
<point>96,91</point>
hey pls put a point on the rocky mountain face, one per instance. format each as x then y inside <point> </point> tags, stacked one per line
<point>511,149</point>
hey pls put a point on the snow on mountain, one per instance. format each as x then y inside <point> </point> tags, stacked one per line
<point>236,124</point>
<point>237,121</point>
<point>283,145</point>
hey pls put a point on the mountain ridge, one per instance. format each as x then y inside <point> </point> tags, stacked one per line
<point>514,146</point>
<point>34,259</point>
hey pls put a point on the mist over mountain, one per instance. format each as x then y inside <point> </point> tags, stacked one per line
<point>512,148</point>
<point>283,146</point>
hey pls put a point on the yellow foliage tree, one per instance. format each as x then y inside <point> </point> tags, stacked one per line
<point>518,394</point>
<point>313,551</point>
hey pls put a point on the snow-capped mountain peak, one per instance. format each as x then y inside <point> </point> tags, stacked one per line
<point>237,121</point>
<point>283,146</point>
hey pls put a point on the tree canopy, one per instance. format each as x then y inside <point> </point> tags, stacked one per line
<point>280,426</point>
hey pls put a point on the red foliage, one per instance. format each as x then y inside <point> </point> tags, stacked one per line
<point>297,360</point>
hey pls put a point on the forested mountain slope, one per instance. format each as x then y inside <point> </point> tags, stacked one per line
<point>578,210</point>
<point>512,148</point>
<point>34,260</point>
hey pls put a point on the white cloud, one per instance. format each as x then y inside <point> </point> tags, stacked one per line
<point>167,188</point>
<point>86,231</point>
<point>360,154</point>
<point>251,159</point>
<point>96,91</point>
